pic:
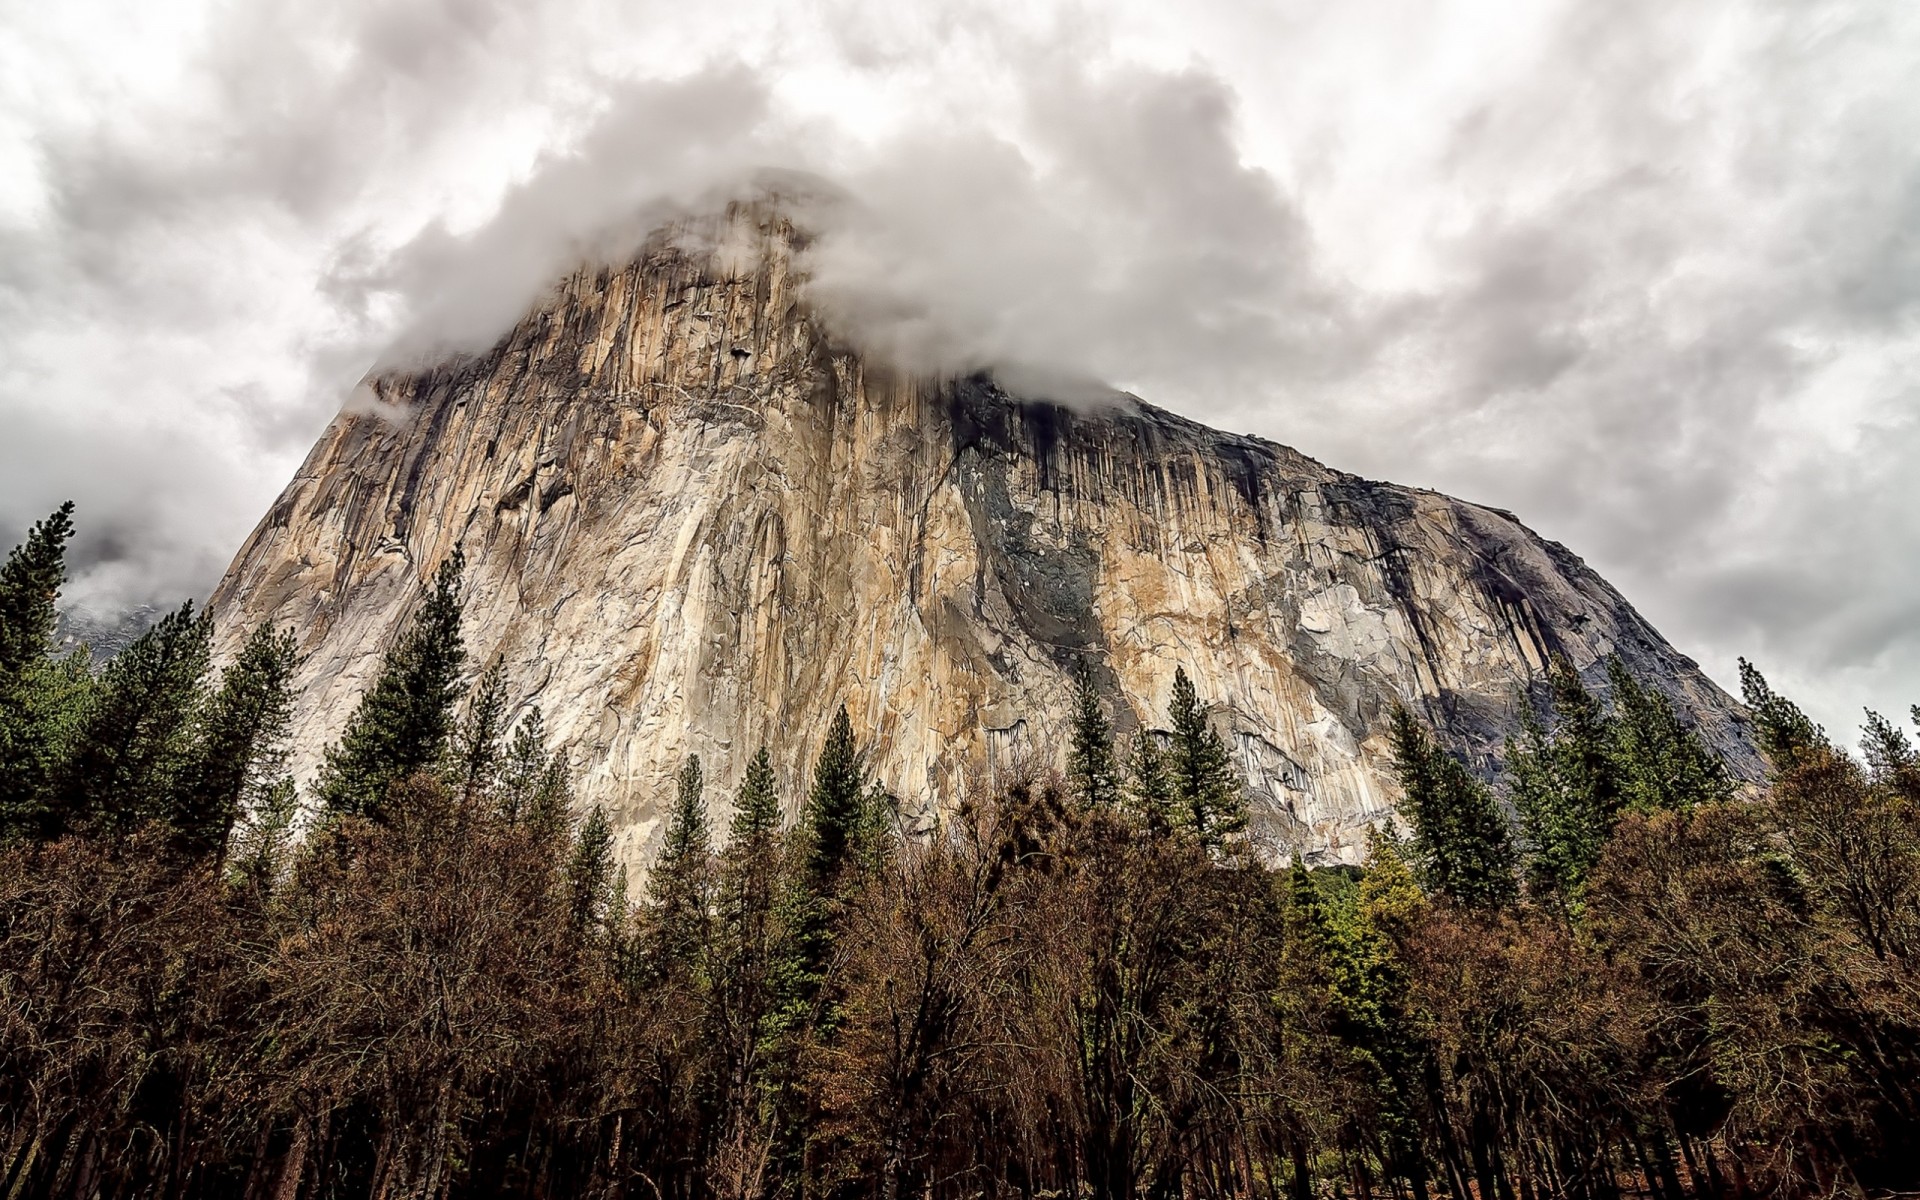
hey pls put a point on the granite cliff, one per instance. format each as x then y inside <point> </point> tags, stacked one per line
<point>695,523</point>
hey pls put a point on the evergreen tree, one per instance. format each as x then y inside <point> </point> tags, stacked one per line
<point>32,688</point>
<point>29,585</point>
<point>1660,763</point>
<point>756,813</point>
<point>1460,840</point>
<point>1890,756</point>
<point>744,943</point>
<point>1149,786</point>
<point>477,751</point>
<point>679,885</point>
<point>1785,733</point>
<point>590,873</point>
<point>135,751</point>
<point>263,836</point>
<point>1583,745</point>
<point>242,752</point>
<point>1092,777</point>
<point>404,722</point>
<point>1562,832</point>
<point>837,815</point>
<point>1208,798</point>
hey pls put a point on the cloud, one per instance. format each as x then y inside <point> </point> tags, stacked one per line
<point>1647,274</point>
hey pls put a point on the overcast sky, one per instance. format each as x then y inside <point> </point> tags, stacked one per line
<point>1645,273</point>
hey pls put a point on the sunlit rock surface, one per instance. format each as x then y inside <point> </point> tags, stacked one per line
<point>695,524</point>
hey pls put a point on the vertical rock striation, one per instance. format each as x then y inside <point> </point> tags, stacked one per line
<point>696,524</point>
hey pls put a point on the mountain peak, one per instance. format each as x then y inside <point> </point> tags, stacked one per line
<point>697,521</point>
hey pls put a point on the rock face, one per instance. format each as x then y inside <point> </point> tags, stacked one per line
<point>695,524</point>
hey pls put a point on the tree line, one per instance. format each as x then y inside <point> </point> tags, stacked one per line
<point>1614,975</point>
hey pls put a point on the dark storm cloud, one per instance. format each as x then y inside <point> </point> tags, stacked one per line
<point>1647,274</point>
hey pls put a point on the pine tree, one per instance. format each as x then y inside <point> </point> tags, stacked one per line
<point>29,584</point>
<point>680,884</point>
<point>1149,787</point>
<point>35,694</point>
<point>1890,756</point>
<point>1207,794</point>
<point>590,873</point>
<point>1460,840</point>
<point>477,750</point>
<point>837,811</point>
<point>756,813</point>
<point>1562,834</point>
<point>404,722</point>
<point>1661,764</point>
<point>1786,735</point>
<point>258,858</point>
<point>135,750</point>
<point>1583,744</point>
<point>1093,779</point>
<point>242,746</point>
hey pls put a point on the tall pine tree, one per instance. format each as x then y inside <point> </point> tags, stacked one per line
<point>404,723</point>
<point>32,688</point>
<point>680,886</point>
<point>242,753</point>
<point>1149,787</point>
<point>1660,762</point>
<point>135,751</point>
<point>477,748</point>
<point>1460,841</point>
<point>1208,798</point>
<point>1092,777</point>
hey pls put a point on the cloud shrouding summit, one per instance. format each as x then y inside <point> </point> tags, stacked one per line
<point>1648,275</point>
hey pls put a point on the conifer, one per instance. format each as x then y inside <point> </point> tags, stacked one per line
<point>837,814</point>
<point>1460,840</point>
<point>1149,788</point>
<point>135,750</point>
<point>36,695</point>
<point>1786,734</point>
<point>263,835</point>
<point>1210,803</point>
<point>756,813</point>
<point>1092,777</point>
<point>404,722</point>
<point>478,751</point>
<point>29,585</point>
<point>679,886</point>
<point>1660,763</point>
<point>242,752</point>
<point>589,873</point>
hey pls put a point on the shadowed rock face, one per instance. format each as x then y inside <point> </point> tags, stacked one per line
<point>694,524</point>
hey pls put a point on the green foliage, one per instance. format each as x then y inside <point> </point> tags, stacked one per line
<point>1093,778</point>
<point>403,723</point>
<point>1661,763</point>
<point>38,698</point>
<point>590,874</point>
<point>259,852</point>
<point>837,815</point>
<point>1149,786</point>
<point>1784,732</point>
<point>680,885</point>
<point>29,585</point>
<point>1569,784</point>
<point>137,750</point>
<point>477,750</point>
<point>1207,794</point>
<point>756,811</point>
<point>241,759</point>
<point>1461,844</point>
